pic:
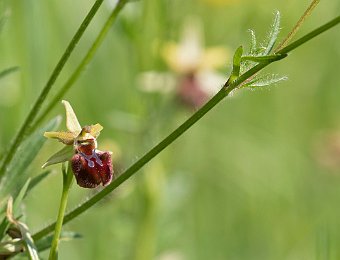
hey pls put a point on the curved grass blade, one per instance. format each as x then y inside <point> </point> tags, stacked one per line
<point>8,71</point>
<point>45,243</point>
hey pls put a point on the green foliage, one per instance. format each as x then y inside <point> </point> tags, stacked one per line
<point>8,71</point>
<point>14,175</point>
<point>241,179</point>
<point>261,54</point>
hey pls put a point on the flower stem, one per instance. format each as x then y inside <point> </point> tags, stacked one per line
<point>28,123</point>
<point>225,91</point>
<point>86,60</point>
<point>67,182</point>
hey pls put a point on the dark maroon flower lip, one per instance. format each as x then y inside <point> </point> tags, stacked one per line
<point>92,170</point>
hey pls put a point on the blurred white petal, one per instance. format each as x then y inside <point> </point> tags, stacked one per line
<point>210,82</point>
<point>186,56</point>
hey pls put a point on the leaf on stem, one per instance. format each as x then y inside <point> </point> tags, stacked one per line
<point>259,52</point>
<point>236,64</point>
<point>264,81</point>
<point>273,34</point>
<point>253,44</point>
<point>270,58</point>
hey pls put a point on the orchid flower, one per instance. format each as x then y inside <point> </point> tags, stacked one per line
<point>192,67</point>
<point>90,166</point>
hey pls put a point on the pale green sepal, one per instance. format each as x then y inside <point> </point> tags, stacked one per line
<point>64,137</point>
<point>72,123</point>
<point>63,155</point>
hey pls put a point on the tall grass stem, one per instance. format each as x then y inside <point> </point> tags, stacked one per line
<point>27,126</point>
<point>86,60</point>
<point>225,91</point>
<point>67,182</point>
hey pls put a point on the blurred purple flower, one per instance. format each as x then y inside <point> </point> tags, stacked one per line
<point>193,72</point>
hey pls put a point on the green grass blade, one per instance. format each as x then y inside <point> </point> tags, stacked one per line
<point>14,174</point>
<point>8,71</point>
<point>28,125</point>
<point>45,243</point>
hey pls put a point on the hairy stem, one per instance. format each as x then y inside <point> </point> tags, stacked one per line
<point>28,123</point>
<point>86,60</point>
<point>225,91</point>
<point>67,181</point>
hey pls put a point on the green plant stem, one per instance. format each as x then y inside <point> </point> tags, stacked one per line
<point>310,36</point>
<point>225,91</point>
<point>28,123</point>
<point>298,25</point>
<point>67,182</point>
<point>86,60</point>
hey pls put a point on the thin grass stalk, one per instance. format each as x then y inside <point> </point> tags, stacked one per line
<point>26,127</point>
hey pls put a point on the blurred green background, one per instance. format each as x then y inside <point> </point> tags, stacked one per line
<point>257,178</point>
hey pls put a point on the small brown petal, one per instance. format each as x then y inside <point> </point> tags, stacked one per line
<point>91,177</point>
